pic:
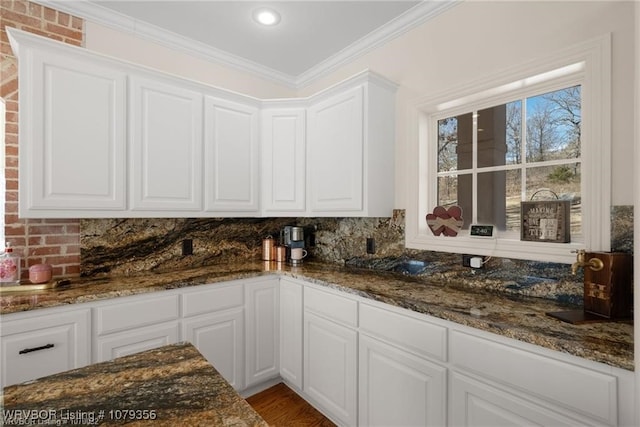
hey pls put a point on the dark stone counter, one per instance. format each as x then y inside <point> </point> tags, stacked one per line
<point>169,386</point>
<point>510,315</point>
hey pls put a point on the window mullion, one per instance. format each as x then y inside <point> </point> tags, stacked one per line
<point>474,167</point>
<point>523,150</point>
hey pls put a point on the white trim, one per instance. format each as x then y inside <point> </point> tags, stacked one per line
<point>93,12</point>
<point>595,55</point>
<point>636,216</point>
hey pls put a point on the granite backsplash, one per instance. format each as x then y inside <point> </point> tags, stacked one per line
<point>128,246</point>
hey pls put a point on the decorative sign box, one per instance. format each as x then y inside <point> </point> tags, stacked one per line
<point>546,221</point>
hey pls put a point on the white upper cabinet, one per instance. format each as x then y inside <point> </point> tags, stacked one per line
<point>231,150</point>
<point>166,145</point>
<point>336,153</point>
<point>72,131</point>
<point>350,151</point>
<point>283,161</point>
<point>100,137</point>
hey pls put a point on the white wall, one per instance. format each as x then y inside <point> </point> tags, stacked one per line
<point>141,51</point>
<point>466,42</point>
<point>476,38</point>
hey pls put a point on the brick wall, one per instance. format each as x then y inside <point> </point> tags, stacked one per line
<point>55,242</point>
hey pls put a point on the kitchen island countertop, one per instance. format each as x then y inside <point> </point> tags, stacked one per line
<point>168,386</point>
<point>513,316</point>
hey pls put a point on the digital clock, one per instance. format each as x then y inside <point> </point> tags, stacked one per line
<point>481,230</point>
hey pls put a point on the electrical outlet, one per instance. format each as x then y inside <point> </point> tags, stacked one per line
<point>473,261</point>
<point>371,245</point>
<point>187,247</point>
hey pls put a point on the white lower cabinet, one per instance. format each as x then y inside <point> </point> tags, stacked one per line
<point>358,361</point>
<point>291,332</point>
<point>218,336</point>
<point>476,403</point>
<point>262,331</point>
<point>44,342</point>
<point>397,388</point>
<point>330,355</point>
<point>402,371</point>
<point>136,340</point>
<point>494,383</point>
<point>213,321</point>
<point>129,325</point>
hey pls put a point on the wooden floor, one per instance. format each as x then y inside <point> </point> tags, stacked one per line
<point>281,406</point>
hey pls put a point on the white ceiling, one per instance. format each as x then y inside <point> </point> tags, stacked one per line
<point>312,38</point>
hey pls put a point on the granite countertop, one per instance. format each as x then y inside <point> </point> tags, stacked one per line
<point>168,386</point>
<point>519,317</point>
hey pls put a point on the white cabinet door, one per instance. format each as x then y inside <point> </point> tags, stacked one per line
<point>72,133</point>
<point>291,332</point>
<point>336,153</point>
<point>571,389</point>
<point>120,344</point>
<point>231,157</point>
<point>166,145</point>
<point>34,345</point>
<point>262,331</point>
<point>283,162</point>
<point>397,388</point>
<point>474,403</point>
<point>219,336</point>
<point>330,368</point>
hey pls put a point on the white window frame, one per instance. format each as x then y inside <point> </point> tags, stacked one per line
<point>587,64</point>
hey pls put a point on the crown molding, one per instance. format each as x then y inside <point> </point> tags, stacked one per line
<point>415,16</point>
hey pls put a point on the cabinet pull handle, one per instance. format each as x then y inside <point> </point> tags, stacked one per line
<point>42,347</point>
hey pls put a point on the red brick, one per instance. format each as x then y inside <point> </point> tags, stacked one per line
<point>53,241</point>
<point>78,43</point>
<point>45,251</point>
<point>46,229</point>
<point>64,19</point>
<point>35,10</point>
<point>11,196</point>
<point>50,15</point>
<point>8,88</point>
<point>63,31</point>
<point>19,6</point>
<point>63,259</point>
<point>35,240</point>
<point>11,17</point>
<point>74,228</point>
<point>72,270</point>
<point>77,23</point>
<point>12,209</point>
<point>11,184</point>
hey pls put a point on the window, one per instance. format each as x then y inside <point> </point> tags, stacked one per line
<point>537,132</point>
<point>509,153</point>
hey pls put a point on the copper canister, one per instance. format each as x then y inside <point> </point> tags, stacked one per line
<point>267,246</point>
<point>281,253</point>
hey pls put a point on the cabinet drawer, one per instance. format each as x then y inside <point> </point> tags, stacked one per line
<point>332,306</point>
<point>128,314</point>
<point>44,345</point>
<point>413,334</point>
<point>212,298</point>
<point>137,340</point>
<point>580,389</point>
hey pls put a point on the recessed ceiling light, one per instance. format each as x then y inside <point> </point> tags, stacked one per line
<point>266,16</point>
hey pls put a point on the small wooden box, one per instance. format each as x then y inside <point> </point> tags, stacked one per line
<point>546,221</point>
<point>609,292</point>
